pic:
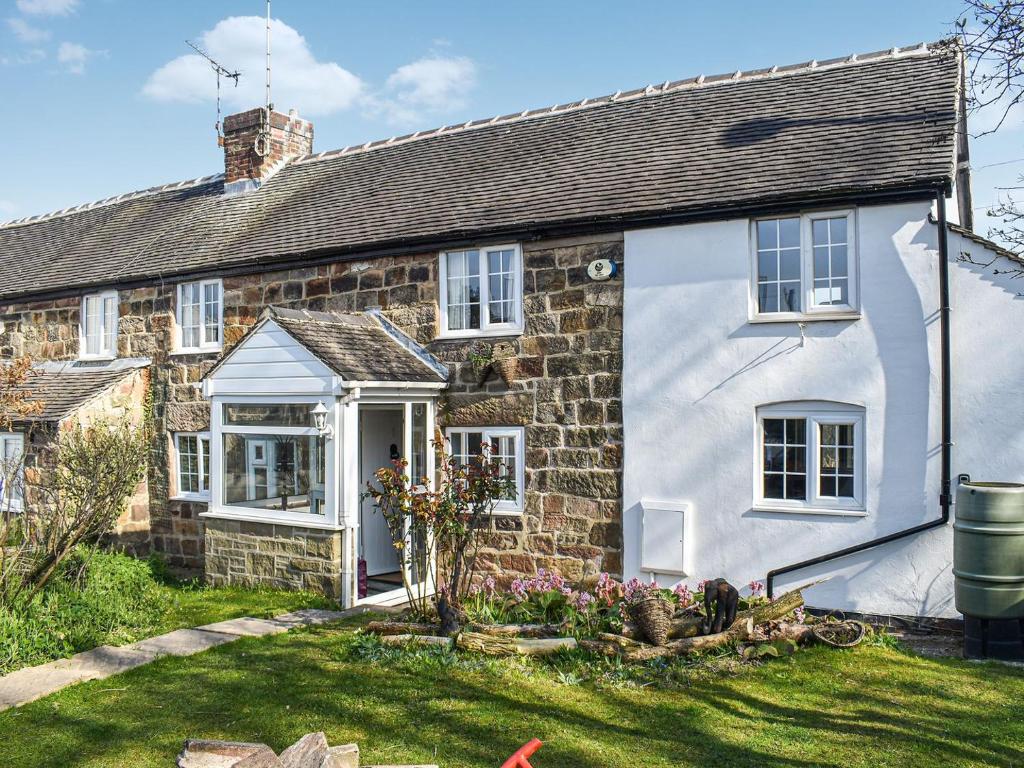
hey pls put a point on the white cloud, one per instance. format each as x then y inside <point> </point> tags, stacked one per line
<point>47,7</point>
<point>29,57</point>
<point>74,57</point>
<point>26,32</point>
<point>298,79</point>
<point>431,85</point>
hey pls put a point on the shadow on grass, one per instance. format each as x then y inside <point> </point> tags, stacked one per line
<point>871,707</point>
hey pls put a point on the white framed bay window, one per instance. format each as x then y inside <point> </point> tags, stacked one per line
<point>269,461</point>
<point>192,465</point>
<point>200,316</point>
<point>810,458</point>
<point>97,329</point>
<point>481,291</point>
<point>804,267</point>
<point>505,446</point>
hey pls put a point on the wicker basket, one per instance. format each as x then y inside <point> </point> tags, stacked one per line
<point>653,615</point>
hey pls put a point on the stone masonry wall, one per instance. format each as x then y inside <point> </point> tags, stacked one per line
<point>280,556</point>
<point>563,386</point>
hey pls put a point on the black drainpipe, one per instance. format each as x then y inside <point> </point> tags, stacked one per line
<point>945,495</point>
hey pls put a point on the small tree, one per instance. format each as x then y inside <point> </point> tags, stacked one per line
<point>439,524</point>
<point>992,35</point>
<point>16,400</point>
<point>97,469</point>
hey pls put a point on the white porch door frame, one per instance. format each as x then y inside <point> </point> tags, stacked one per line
<point>352,483</point>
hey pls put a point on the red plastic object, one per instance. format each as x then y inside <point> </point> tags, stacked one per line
<point>518,760</point>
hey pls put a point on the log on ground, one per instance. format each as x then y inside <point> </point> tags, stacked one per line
<point>517,630</point>
<point>511,646</point>
<point>738,632</point>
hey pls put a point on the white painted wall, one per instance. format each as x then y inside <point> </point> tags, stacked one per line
<point>695,370</point>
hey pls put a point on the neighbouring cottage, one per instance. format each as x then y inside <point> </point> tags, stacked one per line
<point>713,312</point>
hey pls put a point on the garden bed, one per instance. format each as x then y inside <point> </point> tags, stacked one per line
<point>635,621</point>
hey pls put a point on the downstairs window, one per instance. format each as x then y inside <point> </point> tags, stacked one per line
<point>505,448</point>
<point>810,457</point>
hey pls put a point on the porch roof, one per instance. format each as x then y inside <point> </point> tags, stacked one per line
<point>358,346</point>
<point>65,387</point>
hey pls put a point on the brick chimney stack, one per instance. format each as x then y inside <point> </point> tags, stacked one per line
<point>253,152</point>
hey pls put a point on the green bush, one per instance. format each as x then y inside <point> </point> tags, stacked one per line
<point>98,598</point>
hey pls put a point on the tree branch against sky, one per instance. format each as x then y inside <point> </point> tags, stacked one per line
<point>993,37</point>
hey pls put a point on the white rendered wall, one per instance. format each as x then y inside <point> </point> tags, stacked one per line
<point>695,370</point>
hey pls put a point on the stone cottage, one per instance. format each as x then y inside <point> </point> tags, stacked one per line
<point>586,288</point>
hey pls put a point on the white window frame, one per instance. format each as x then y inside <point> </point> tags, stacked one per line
<point>83,341</point>
<point>815,413</point>
<point>518,435</point>
<point>486,328</point>
<point>204,345</point>
<point>203,494</point>
<point>6,504</point>
<point>809,311</point>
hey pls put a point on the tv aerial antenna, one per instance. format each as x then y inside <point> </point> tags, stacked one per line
<point>221,71</point>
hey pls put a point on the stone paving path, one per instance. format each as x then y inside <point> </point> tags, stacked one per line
<point>25,685</point>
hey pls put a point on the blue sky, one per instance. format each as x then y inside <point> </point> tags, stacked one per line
<point>98,99</point>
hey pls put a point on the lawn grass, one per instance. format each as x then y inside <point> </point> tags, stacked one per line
<point>872,706</point>
<point>193,604</point>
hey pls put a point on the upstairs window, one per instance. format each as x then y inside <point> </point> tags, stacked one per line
<point>804,266</point>
<point>811,457</point>
<point>98,327</point>
<point>200,315</point>
<point>481,291</point>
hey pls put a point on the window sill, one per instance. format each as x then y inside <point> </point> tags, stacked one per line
<point>314,521</point>
<point>193,497</point>
<point>195,351</point>
<point>830,511</point>
<point>476,334</point>
<point>96,358</point>
<point>788,317</point>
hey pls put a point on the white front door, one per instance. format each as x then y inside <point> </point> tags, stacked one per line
<point>380,435</point>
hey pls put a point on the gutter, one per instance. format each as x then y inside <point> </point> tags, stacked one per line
<point>945,366</point>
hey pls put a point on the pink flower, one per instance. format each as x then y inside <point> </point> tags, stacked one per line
<point>702,584</point>
<point>683,593</point>
<point>582,600</point>
<point>490,586</point>
<point>756,588</point>
<point>799,612</point>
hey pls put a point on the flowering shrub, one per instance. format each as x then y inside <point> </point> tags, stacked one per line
<point>437,523</point>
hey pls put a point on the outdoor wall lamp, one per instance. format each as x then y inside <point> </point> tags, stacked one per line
<point>320,420</point>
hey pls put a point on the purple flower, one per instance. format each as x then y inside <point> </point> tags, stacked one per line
<point>683,593</point>
<point>518,589</point>
<point>582,600</point>
<point>490,586</point>
<point>756,588</point>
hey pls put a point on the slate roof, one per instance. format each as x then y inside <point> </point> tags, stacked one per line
<point>66,387</point>
<point>877,122</point>
<point>358,346</point>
